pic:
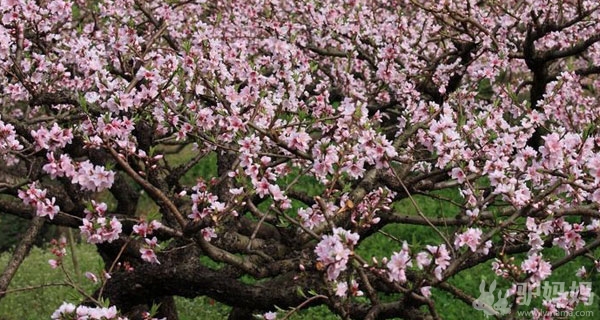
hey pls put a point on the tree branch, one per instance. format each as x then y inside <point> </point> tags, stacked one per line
<point>20,253</point>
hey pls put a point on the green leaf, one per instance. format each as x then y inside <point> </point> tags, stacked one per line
<point>153,215</point>
<point>82,102</point>
<point>484,89</point>
<point>590,129</point>
<point>154,309</point>
<point>75,12</point>
<point>314,66</point>
<point>187,46</point>
<point>104,302</point>
<point>301,292</point>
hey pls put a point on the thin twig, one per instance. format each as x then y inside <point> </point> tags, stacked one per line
<point>300,306</point>
<point>151,189</point>
<point>414,203</point>
<point>31,288</point>
<point>113,265</point>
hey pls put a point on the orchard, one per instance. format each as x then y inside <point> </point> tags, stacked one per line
<point>251,152</point>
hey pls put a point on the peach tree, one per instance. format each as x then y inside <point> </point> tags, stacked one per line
<point>272,138</point>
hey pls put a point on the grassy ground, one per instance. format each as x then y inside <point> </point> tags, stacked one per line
<point>39,302</point>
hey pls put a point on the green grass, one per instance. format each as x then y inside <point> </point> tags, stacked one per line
<point>40,302</point>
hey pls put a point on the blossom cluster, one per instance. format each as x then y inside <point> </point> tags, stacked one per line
<point>8,140</point>
<point>365,212</point>
<point>341,289</point>
<point>54,139</point>
<point>36,198</point>
<point>566,301</point>
<point>144,229</point>
<point>88,176</point>
<point>97,228</point>
<point>204,203</point>
<point>472,239</point>
<point>316,215</point>
<point>402,260</point>
<point>147,251</point>
<point>538,268</point>
<point>69,311</point>
<point>334,251</point>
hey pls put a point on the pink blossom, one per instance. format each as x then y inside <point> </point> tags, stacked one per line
<point>148,255</point>
<point>354,289</point>
<point>458,174</point>
<point>341,289</point>
<point>99,229</point>
<point>262,187</point>
<point>141,229</point>
<point>397,266</point>
<point>310,218</point>
<point>355,168</point>
<point>585,292</point>
<point>53,263</point>
<point>37,198</point>
<point>92,277</point>
<point>537,267</point>
<point>426,291</point>
<point>63,310</point>
<point>56,138</point>
<point>334,251</point>
<point>208,233</point>
<point>298,140</point>
<point>68,311</point>
<point>581,272</point>
<point>423,259</point>
<point>276,193</point>
<point>441,259</point>
<point>46,207</point>
<point>250,145</point>
<point>151,242</point>
<point>8,139</point>
<point>471,238</point>
<point>93,178</point>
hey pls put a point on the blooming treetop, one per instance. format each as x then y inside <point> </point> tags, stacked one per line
<point>274,137</point>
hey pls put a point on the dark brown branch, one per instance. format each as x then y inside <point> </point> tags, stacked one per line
<point>573,50</point>
<point>17,208</point>
<point>158,24</point>
<point>183,275</point>
<point>52,99</point>
<point>20,253</point>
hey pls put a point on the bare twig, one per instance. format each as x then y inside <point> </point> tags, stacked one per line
<point>163,200</point>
